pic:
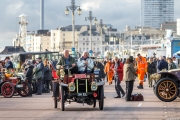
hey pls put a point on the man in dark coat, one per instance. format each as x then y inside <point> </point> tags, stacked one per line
<point>47,77</point>
<point>9,64</point>
<point>29,76</point>
<point>151,70</point>
<point>162,64</point>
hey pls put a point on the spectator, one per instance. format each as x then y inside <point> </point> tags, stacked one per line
<point>118,76</point>
<point>39,75</point>
<point>29,75</point>
<point>162,64</point>
<point>47,75</point>
<point>109,71</point>
<point>9,64</point>
<point>129,74</point>
<point>151,70</point>
<point>176,62</point>
<point>171,64</point>
<point>85,64</point>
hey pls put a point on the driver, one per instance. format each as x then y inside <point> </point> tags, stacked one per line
<point>85,64</point>
<point>65,61</point>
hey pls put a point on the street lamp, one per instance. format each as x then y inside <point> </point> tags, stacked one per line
<point>73,7</point>
<point>90,18</point>
<point>101,25</point>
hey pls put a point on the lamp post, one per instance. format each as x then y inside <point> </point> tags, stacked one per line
<point>90,18</point>
<point>73,7</point>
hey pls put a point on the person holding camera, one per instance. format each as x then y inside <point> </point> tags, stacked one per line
<point>129,75</point>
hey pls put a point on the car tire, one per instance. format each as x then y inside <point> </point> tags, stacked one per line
<point>25,91</point>
<point>62,101</point>
<point>94,103</point>
<point>166,89</point>
<point>7,90</point>
<point>101,98</point>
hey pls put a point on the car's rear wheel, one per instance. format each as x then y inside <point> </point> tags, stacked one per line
<point>25,91</point>
<point>166,89</point>
<point>7,90</point>
<point>101,98</point>
<point>62,101</point>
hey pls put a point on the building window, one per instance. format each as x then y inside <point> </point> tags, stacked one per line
<point>63,34</point>
<point>97,38</point>
<point>83,38</point>
<point>87,44</point>
<point>54,34</point>
<point>83,43</point>
<point>54,39</point>
<point>84,49</point>
<point>63,39</point>
<point>94,43</point>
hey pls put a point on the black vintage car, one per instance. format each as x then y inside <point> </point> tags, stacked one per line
<point>167,85</point>
<point>80,88</point>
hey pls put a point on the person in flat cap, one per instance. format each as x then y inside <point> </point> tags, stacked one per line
<point>39,75</point>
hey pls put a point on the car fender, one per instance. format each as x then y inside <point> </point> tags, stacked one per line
<point>169,75</point>
<point>100,83</point>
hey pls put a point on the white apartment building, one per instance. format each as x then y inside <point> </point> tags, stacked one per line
<point>156,12</point>
<point>61,38</point>
<point>42,43</point>
<point>96,42</point>
<point>178,26</point>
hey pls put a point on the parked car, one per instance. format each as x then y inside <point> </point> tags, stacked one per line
<point>10,86</point>
<point>167,85</point>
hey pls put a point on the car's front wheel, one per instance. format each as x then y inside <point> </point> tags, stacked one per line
<point>62,101</point>
<point>101,98</point>
<point>166,89</point>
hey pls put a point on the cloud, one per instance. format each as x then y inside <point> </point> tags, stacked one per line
<point>14,8</point>
<point>91,5</point>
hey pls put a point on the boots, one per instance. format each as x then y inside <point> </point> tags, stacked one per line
<point>140,86</point>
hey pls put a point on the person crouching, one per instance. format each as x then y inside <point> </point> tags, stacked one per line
<point>129,77</point>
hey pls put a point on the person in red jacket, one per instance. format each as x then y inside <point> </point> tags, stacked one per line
<point>118,76</point>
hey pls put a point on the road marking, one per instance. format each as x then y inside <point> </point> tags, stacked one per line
<point>67,104</point>
<point>139,105</point>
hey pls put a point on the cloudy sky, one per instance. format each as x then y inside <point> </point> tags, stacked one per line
<point>119,13</point>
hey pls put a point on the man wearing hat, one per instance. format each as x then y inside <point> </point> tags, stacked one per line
<point>141,69</point>
<point>39,68</point>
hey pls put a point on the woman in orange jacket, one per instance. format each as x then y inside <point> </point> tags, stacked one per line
<point>109,71</point>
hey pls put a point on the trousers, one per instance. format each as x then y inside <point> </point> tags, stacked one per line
<point>39,86</point>
<point>129,89</point>
<point>118,87</point>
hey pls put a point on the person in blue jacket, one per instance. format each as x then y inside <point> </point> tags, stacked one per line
<point>162,64</point>
<point>9,64</point>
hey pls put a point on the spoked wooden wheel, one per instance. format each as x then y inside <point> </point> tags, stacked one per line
<point>7,90</point>
<point>167,90</point>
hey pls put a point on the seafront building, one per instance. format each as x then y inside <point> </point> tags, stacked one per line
<point>156,12</point>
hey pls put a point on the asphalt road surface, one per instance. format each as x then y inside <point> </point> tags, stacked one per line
<point>41,108</point>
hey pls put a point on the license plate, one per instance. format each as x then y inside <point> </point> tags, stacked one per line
<point>82,94</point>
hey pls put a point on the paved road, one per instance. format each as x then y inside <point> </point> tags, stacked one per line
<point>41,108</point>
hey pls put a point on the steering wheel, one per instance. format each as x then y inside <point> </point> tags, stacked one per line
<point>67,67</point>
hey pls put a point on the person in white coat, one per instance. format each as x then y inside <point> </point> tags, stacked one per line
<point>85,64</point>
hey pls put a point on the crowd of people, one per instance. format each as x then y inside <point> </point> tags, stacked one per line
<point>116,69</point>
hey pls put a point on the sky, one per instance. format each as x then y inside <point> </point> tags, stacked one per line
<point>118,13</point>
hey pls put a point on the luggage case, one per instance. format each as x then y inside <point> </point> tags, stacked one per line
<point>137,97</point>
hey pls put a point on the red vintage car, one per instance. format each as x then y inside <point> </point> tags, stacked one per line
<point>80,88</point>
<point>13,85</point>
